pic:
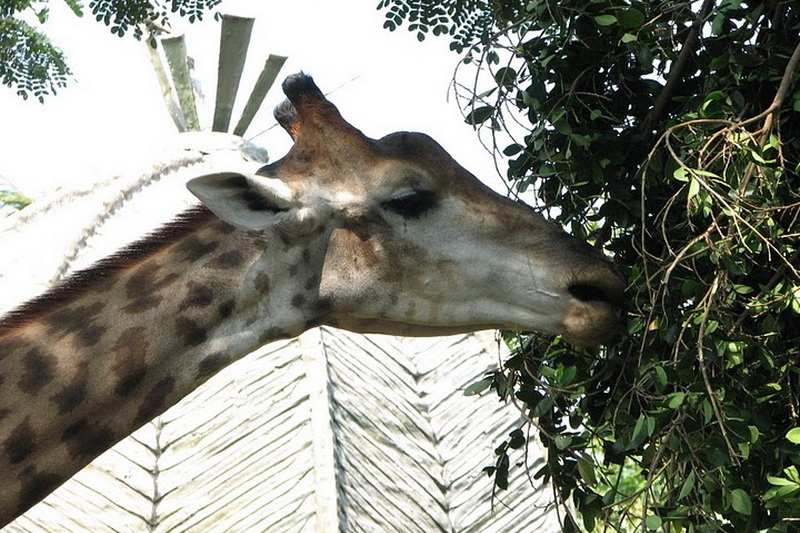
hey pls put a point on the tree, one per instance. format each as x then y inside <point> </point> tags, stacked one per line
<point>31,63</point>
<point>665,132</point>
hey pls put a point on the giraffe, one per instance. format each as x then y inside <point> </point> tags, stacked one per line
<point>375,236</point>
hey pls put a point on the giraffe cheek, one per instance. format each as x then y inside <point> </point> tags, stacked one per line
<point>351,267</point>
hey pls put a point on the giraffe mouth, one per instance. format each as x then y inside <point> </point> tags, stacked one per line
<point>596,313</point>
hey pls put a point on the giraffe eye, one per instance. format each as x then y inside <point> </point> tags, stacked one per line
<point>411,204</point>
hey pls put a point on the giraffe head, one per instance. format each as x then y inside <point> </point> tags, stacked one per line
<point>412,243</point>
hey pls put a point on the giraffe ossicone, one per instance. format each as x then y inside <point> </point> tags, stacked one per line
<point>378,236</point>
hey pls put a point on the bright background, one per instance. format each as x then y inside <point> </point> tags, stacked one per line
<point>111,117</point>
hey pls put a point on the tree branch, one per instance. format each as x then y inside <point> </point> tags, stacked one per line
<point>771,112</point>
<point>676,73</point>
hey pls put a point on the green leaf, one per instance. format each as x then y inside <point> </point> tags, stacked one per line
<point>644,427</point>
<point>796,299</point>
<point>567,376</point>
<point>720,62</point>
<point>744,449</point>
<point>718,24</point>
<point>779,481</point>
<point>478,387</point>
<point>76,6</point>
<point>708,411</point>
<point>605,20</point>
<point>589,519</point>
<point>563,441</point>
<point>43,15</point>
<point>653,522</point>
<point>780,493</point>
<point>662,375</point>
<point>569,524</point>
<point>793,435</point>
<point>628,38</point>
<point>630,18</point>
<point>740,501</point>
<point>694,188</point>
<point>516,439</point>
<point>742,289</point>
<point>506,77</point>
<point>479,115</point>
<point>586,470</point>
<point>757,157</point>
<point>676,400</point>
<point>688,485</point>
<point>705,173</point>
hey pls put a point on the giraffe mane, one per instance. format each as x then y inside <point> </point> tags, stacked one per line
<point>78,282</point>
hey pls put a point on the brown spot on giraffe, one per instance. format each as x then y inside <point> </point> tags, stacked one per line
<point>190,331</point>
<point>79,320</point>
<point>226,308</point>
<point>197,295</point>
<point>192,249</point>
<point>35,485</point>
<point>130,354</point>
<point>313,322</point>
<point>91,335</point>
<point>75,318</point>
<point>226,260</point>
<point>311,283</point>
<point>144,288</point>
<point>262,283</point>
<point>39,370</point>
<point>21,442</point>
<point>73,394</point>
<point>155,400</point>
<point>212,364</point>
<point>273,334</point>
<point>85,440</point>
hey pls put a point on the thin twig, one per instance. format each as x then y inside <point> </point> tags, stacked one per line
<point>710,295</point>
<point>768,287</point>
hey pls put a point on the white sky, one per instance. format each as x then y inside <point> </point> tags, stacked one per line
<point>112,116</point>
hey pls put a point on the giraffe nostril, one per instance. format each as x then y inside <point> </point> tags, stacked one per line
<point>588,293</point>
<point>612,293</point>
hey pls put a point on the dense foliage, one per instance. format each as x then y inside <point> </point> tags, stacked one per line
<point>32,64</point>
<point>667,133</point>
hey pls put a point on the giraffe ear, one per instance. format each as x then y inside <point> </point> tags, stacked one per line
<point>247,202</point>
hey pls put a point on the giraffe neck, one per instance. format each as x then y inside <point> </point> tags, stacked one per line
<point>89,363</point>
